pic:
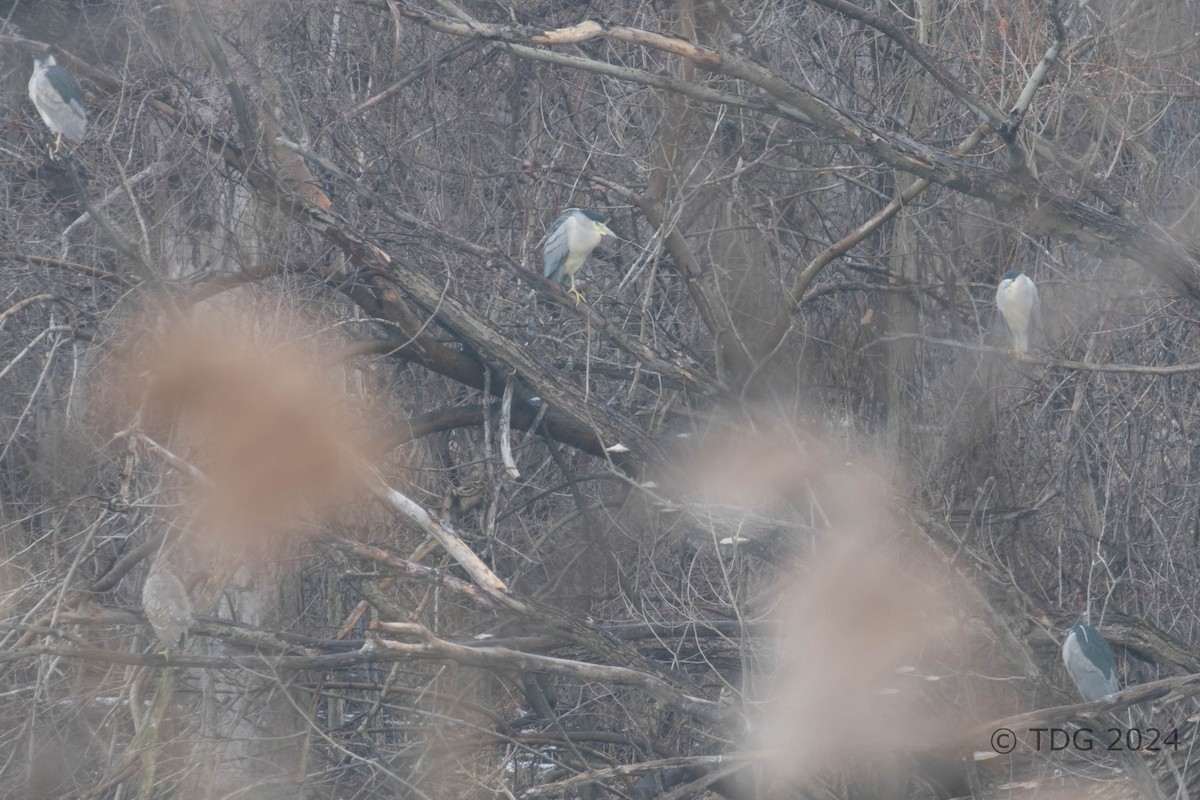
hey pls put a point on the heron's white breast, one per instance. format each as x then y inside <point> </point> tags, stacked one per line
<point>1015,297</point>
<point>582,235</point>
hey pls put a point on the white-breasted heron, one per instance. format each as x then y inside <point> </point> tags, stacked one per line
<point>58,99</point>
<point>570,241</point>
<point>1090,662</point>
<point>1017,299</point>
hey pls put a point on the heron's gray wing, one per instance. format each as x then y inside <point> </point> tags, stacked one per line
<point>555,251</point>
<point>1091,679</point>
<point>1097,651</point>
<point>67,89</point>
<point>1036,316</point>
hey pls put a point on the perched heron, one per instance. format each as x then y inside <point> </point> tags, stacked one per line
<point>166,603</point>
<point>58,100</point>
<point>1017,299</point>
<point>570,241</point>
<point>1089,659</point>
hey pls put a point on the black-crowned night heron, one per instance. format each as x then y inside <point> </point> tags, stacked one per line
<point>166,603</point>
<point>1017,299</point>
<point>58,100</point>
<point>570,241</point>
<point>1090,662</point>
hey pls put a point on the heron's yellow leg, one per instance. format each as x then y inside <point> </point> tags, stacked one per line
<point>577,294</point>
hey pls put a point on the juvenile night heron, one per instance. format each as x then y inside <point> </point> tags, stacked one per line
<point>1090,662</point>
<point>166,603</point>
<point>1017,299</point>
<point>58,99</point>
<point>570,241</point>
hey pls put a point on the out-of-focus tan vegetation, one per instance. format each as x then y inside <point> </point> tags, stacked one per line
<point>257,408</point>
<point>774,514</point>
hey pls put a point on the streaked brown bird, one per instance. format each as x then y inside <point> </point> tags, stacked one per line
<point>166,603</point>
